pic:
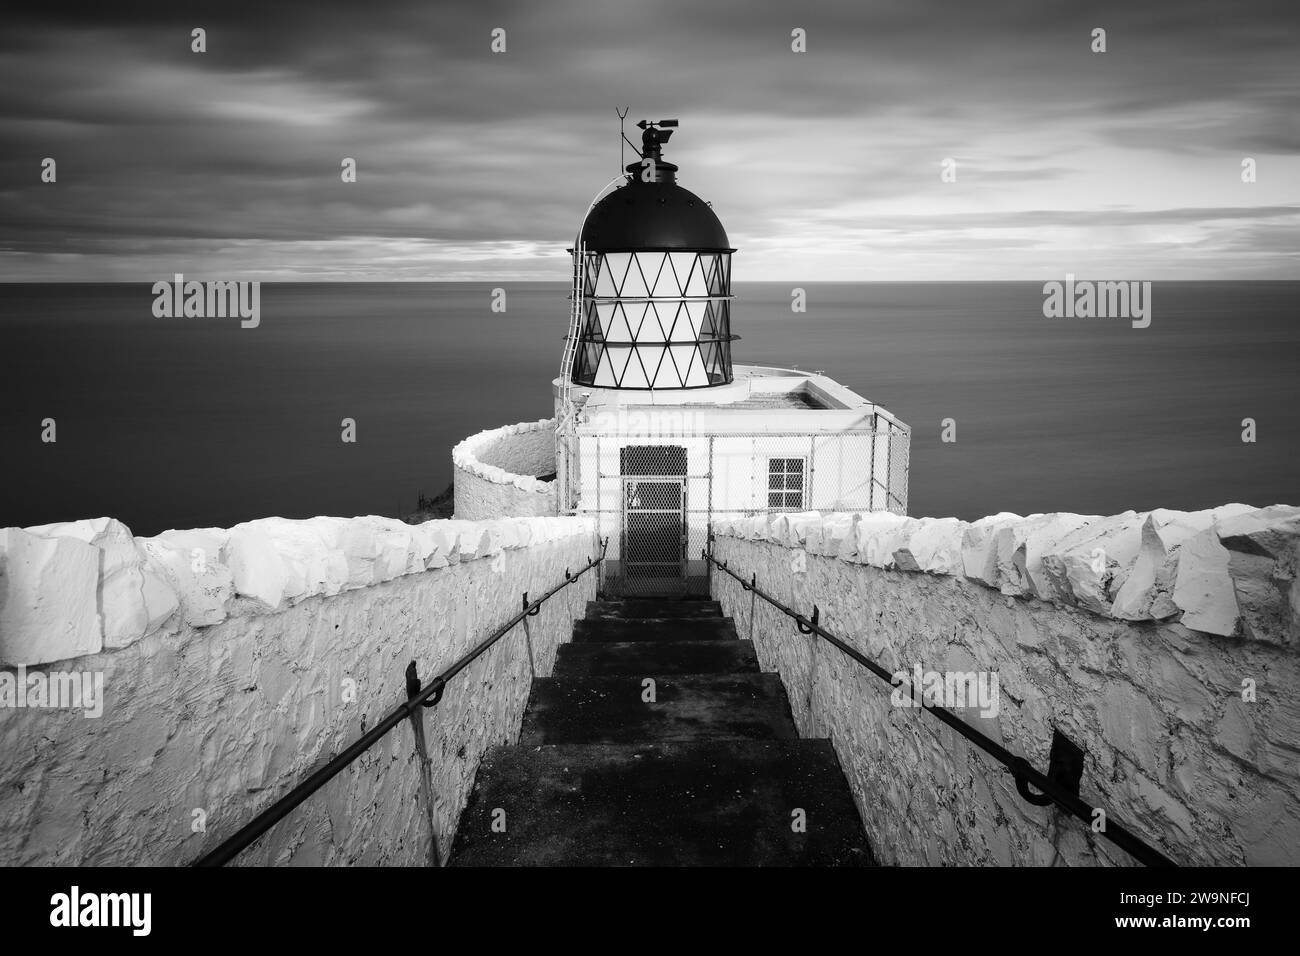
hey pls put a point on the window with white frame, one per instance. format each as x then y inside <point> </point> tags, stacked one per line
<point>785,480</point>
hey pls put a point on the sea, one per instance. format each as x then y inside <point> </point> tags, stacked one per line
<point>180,423</point>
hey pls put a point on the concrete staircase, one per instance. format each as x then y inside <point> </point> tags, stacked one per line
<point>711,773</point>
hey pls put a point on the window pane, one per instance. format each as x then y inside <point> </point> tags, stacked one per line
<point>774,499</point>
<point>774,465</point>
<point>794,482</point>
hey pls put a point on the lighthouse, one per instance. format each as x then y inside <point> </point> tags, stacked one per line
<point>658,434</point>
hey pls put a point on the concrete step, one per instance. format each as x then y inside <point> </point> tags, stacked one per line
<point>725,803</point>
<point>610,710</point>
<point>655,629</point>
<point>656,658</point>
<point>632,608</point>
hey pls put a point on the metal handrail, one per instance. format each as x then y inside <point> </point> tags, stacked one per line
<point>417,697</point>
<point>1025,775</point>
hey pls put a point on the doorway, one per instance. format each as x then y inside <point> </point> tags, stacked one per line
<point>654,519</point>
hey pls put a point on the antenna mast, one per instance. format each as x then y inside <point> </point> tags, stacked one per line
<point>622,137</point>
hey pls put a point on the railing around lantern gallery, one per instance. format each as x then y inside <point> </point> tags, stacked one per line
<point>417,697</point>
<point>1051,789</point>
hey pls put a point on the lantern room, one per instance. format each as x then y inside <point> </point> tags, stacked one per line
<point>656,283</point>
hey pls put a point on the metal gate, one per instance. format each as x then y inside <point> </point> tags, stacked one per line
<point>654,535</point>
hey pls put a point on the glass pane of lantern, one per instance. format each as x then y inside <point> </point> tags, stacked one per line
<point>707,331</point>
<point>675,322</point>
<point>707,263</point>
<point>651,328</point>
<point>722,317</point>
<point>611,273</point>
<point>656,364</point>
<point>617,361</point>
<point>605,311</point>
<point>710,355</point>
<point>695,312</point>
<point>605,372</point>
<point>715,278</point>
<point>634,376</point>
<point>695,285</point>
<point>664,284</point>
<point>681,357</point>
<point>682,263</point>
<point>618,329</point>
<point>695,374</point>
<point>634,285</point>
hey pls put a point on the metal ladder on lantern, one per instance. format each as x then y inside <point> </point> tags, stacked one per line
<point>564,421</point>
<point>566,461</point>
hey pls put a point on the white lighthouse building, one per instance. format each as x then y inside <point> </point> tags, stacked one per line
<point>658,434</point>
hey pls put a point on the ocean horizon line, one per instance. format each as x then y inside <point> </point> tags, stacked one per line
<point>199,277</point>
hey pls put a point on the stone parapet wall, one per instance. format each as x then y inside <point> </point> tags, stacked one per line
<point>231,663</point>
<point>1164,644</point>
<point>496,472</point>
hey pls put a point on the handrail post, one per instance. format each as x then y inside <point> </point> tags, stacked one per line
<point>753,602</point>
<point>426,765</point>
<point>528,635</point>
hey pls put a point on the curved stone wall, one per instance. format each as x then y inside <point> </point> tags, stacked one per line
<point>230,663</point>
<point>1163,643</point>
<point>496,472</point>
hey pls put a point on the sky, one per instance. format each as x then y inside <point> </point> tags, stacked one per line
<point>822,165</point>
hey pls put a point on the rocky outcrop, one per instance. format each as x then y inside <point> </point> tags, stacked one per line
<point>72,589</point>
<point>1228,571</point>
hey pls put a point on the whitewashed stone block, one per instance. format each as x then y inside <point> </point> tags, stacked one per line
<point>192,564</point>
<point>257,570</point>
<point>879,534</point>
<point>935,545</point>
<point>1263,553</point>
<point>49,597</point>
<point>979,547</point>
<point>1202,588</point>
<point>1040,542</point>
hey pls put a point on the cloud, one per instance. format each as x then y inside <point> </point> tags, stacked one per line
<point>464,155</point>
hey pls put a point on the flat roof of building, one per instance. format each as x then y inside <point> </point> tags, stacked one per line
<point>754,394</point>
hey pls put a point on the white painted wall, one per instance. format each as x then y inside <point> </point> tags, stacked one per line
<point>226,680</point>
<point>727,473</point>
<point>1135,634</point>
<point>495,472</point>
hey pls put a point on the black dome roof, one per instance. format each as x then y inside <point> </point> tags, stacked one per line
<point>654,215</point>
